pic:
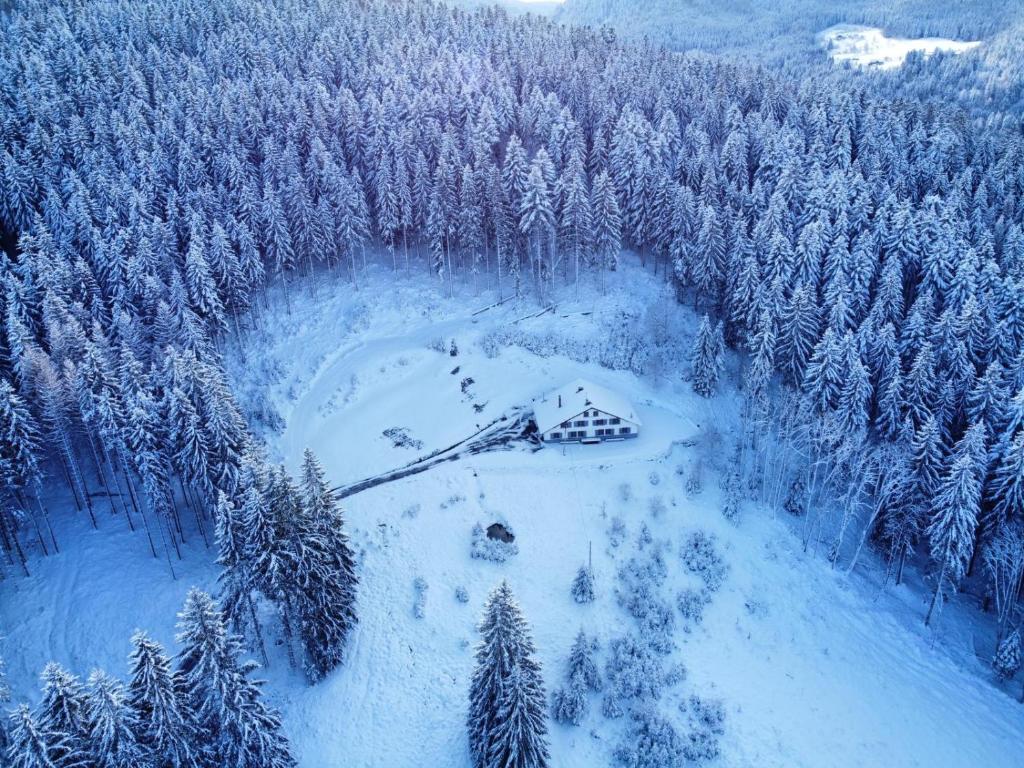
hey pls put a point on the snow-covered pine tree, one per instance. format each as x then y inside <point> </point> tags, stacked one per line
<point>1006,661</point>
<point>569,703</point>
<point>165,727</point>
<point>217,688</point>
<point>583,585</point>
<point>33,745</point>
<point>327,573</point>
<point>113,727</point>
<point>954,511</point>
<point>506,715</point>
<point>708,357</point>
<point>62,711</point>
<point>519,735</point>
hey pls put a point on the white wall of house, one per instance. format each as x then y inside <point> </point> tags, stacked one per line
<point>592,423</point>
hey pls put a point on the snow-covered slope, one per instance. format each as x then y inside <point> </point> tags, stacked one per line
<point>815,668</point>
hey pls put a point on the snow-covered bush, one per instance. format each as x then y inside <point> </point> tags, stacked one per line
<point>438,345</point>
<point>625,493</point>
<point>411,511</point>
<point>656,506</point>
<point>651,742</point>
<point>1006,662</point>
<point>654,478</point>
<point>451,501</point>
<point>634,672</point>
<point>617,532</point>
<point>796,498</point>
<point>732,495</point>
<point>706,725</point>
<point>695,479</point>
<point>485,548</point>
<point>691,604</point>
<point>644,538</point>
<point>419,605</point>
<point>583,585</point>
<point>462,594</point>
<point>700,556</point>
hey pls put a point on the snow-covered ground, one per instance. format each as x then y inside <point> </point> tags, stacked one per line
<point>815,668</point>
<point>870,47</point>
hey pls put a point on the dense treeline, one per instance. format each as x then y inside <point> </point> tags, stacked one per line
<point>203,711</point>
<point>161,160</point>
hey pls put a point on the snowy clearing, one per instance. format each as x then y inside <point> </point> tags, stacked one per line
<point>807,661</point>
<point>869,46</point>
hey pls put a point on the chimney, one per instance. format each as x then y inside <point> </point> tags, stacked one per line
<point>559,401</point>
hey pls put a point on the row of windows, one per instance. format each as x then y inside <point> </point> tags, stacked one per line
<point>583,423</point>
<point>572,434</point>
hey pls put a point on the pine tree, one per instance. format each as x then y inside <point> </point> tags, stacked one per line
<point>217,687</point>
<point>327,574</point>
<point>570,702</point>
<point>583,585</point>
<point>707,360</point>
<point>113,735</point>
<point>62,712</point>
<point>1006,661</point>
<point>33,745</point>
<point>165,728</point>
<point>519,736</point>
<point>955,509</point>
<point>506,698</point>
<point>607,223</point>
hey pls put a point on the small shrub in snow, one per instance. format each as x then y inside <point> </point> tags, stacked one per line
<point>451,501</point>
<point>701,557</point>
<point>617,532</point>
<point>796,498</point>
<point>583,585</point>
<point>411,511</point>
<point>651,742</point>
<point>756,608</point>
<point>644,538</point>
<point>453,350</point>
<point>656,506</point>
<point>438,345</point>
<point>695,479</point>
<point>707,724</point>
<point>654,478</point>
<point>1007,659</point>
<point>732,496</point>
<point>485,548</point>
<point>691,604</point>
<point>625,493</point>
<point>462,594</point>
<point>419,605</point>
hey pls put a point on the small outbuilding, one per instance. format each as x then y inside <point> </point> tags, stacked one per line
<point>583,412</point>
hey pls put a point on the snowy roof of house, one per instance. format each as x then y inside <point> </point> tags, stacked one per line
<point>577,396</point>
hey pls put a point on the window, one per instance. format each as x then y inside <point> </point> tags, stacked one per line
<point>565,425</point>
<point>602,432</point>
<point>572,435</point>
<point>600,421</point>
<point>615,421</point>
<point>579,423</point>
<point>556,435</point>
<point>624,431</point>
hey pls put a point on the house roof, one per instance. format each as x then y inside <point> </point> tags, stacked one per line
<point>578,396</point>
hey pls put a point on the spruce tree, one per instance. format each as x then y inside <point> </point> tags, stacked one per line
<point>583,585</point>
<point>114,729</point>
<point>954,511</point>
<point>1006,661</point>
<point>326,572</point>
<point>707,359</point>
<point>506,696</point>
<point>165,727</point>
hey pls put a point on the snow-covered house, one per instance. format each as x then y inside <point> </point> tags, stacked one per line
<point>584,412</point>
